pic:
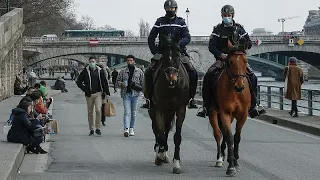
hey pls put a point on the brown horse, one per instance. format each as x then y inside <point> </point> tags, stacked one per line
<point>232,96</point>
<point>170,98</point>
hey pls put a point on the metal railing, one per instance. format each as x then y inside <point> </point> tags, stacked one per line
<point>270,39</point>
<point>274,97</point>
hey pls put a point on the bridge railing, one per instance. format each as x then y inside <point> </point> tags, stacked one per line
<point>274,97</point>
<point>276,38</point>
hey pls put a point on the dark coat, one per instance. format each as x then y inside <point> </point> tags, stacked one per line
<point>21,129</point>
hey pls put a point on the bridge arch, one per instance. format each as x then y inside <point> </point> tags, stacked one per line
<point>139,52</point>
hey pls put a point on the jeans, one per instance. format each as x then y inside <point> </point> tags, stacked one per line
<point>130,104</point>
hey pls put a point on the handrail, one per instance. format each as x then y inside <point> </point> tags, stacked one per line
<point>276,38</point>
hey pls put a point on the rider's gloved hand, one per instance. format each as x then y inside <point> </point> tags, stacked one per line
<point>223,56</point>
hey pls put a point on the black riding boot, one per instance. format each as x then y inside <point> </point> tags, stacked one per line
<point>205,96</point>
<point>148,88</point>
<point>193,83</point>
<point>254,112</point>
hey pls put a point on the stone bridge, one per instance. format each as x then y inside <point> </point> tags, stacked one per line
<point>42,49</point>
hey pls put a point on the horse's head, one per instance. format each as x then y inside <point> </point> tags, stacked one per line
<point>237,67</point>
<point>171,58</point>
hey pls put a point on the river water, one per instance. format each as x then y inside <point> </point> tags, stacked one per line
<point>308,85</point>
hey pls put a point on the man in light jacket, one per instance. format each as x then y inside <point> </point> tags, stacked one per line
<point>130,80</point>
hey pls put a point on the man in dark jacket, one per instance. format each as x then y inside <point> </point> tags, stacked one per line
<point>233,32</point>
<point>114,75</point>
<point>170,24</point>
<point>93,82</point>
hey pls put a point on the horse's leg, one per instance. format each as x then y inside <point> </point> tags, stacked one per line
<point>226,123</point>
<point>160,138</point>
<point>213,118</point>
<point>181,114</point>
<point>154,127</point>
<point>168,127</point>
<point>237,139</point>
<point>223,144</point>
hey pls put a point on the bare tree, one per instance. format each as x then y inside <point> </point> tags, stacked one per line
<point>147,29</point>
<point>106,27</point>
<point>129,33</point>
<point>87,22</point>
<point>142,28</point>
<point>46,16</point>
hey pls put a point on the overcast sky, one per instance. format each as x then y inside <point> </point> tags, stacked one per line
<point>126,14</point>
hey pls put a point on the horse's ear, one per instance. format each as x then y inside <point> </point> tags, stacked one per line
<point>229,44</point>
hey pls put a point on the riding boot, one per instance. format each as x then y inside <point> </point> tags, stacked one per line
<point>205,95</point>
<point>254,112</point>
<point>148,88</point>
<point>193,82</point>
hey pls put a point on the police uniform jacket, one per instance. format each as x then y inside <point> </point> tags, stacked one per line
<point>165,26</point>
<point>221,34</point>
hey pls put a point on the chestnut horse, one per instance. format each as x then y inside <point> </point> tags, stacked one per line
<point>233,99</point>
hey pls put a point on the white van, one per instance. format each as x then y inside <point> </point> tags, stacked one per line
<point>49,37</point>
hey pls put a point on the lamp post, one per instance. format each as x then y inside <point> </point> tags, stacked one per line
<point>8,4</point>
<point>187,13</point>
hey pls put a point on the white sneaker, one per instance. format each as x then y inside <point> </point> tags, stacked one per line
<point>131,132</point>
<point>126,132</point>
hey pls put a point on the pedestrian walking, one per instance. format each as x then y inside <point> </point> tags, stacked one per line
<point>93,82</point>
<point>130,80</point>
<point>294,79</point>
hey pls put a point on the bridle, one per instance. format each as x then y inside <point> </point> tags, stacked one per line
<point>232,78</point>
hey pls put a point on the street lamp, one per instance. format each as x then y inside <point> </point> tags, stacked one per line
<point>187,13</point>
<point>8,4</point>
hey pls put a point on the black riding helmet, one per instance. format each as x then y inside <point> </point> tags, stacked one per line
<point>227,9</point>
<point>170,4</point>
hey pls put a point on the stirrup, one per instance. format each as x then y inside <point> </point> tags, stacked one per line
<point>148,102</point>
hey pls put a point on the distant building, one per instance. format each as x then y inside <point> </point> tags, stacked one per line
<point>261,32</point>
<point>312,24</point>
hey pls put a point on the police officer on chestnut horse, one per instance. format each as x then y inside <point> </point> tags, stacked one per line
<point>166,25</point>
<point>218,46</point>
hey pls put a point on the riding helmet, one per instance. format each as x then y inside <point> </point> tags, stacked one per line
<point>227,9</point>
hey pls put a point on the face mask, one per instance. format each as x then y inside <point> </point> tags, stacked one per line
<point>227,20</point>
<point>92,65</point>
<point>171,14</point>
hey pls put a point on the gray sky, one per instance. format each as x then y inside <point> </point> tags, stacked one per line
<point>126,14</point>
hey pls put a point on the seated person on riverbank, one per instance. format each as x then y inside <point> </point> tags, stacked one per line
<point>60,84</point>
<point>18,88</point>
<point>22,131</point>
<point>43,89</point>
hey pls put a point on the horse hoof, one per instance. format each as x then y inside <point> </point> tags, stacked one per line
<point>231,171</point>
<point>166,159</point>
<point>219,164</point>
<point>176,170</point>
<point>158,161</point>
<point>237,168</point>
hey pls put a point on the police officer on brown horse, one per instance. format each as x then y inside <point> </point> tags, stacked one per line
<point>233,32</point>
<point>166,25</point>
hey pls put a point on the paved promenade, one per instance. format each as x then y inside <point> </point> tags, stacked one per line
<point>267,151</point>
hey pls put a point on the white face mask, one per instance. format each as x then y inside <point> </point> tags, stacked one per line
<point>227,20</point>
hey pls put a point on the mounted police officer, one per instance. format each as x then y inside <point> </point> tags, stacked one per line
<point>218,46</point>
<point>166,25</point>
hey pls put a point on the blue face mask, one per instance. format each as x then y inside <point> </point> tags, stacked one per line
<point>227,20</point>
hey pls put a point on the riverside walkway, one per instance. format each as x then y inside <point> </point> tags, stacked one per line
<point>267,151</point>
